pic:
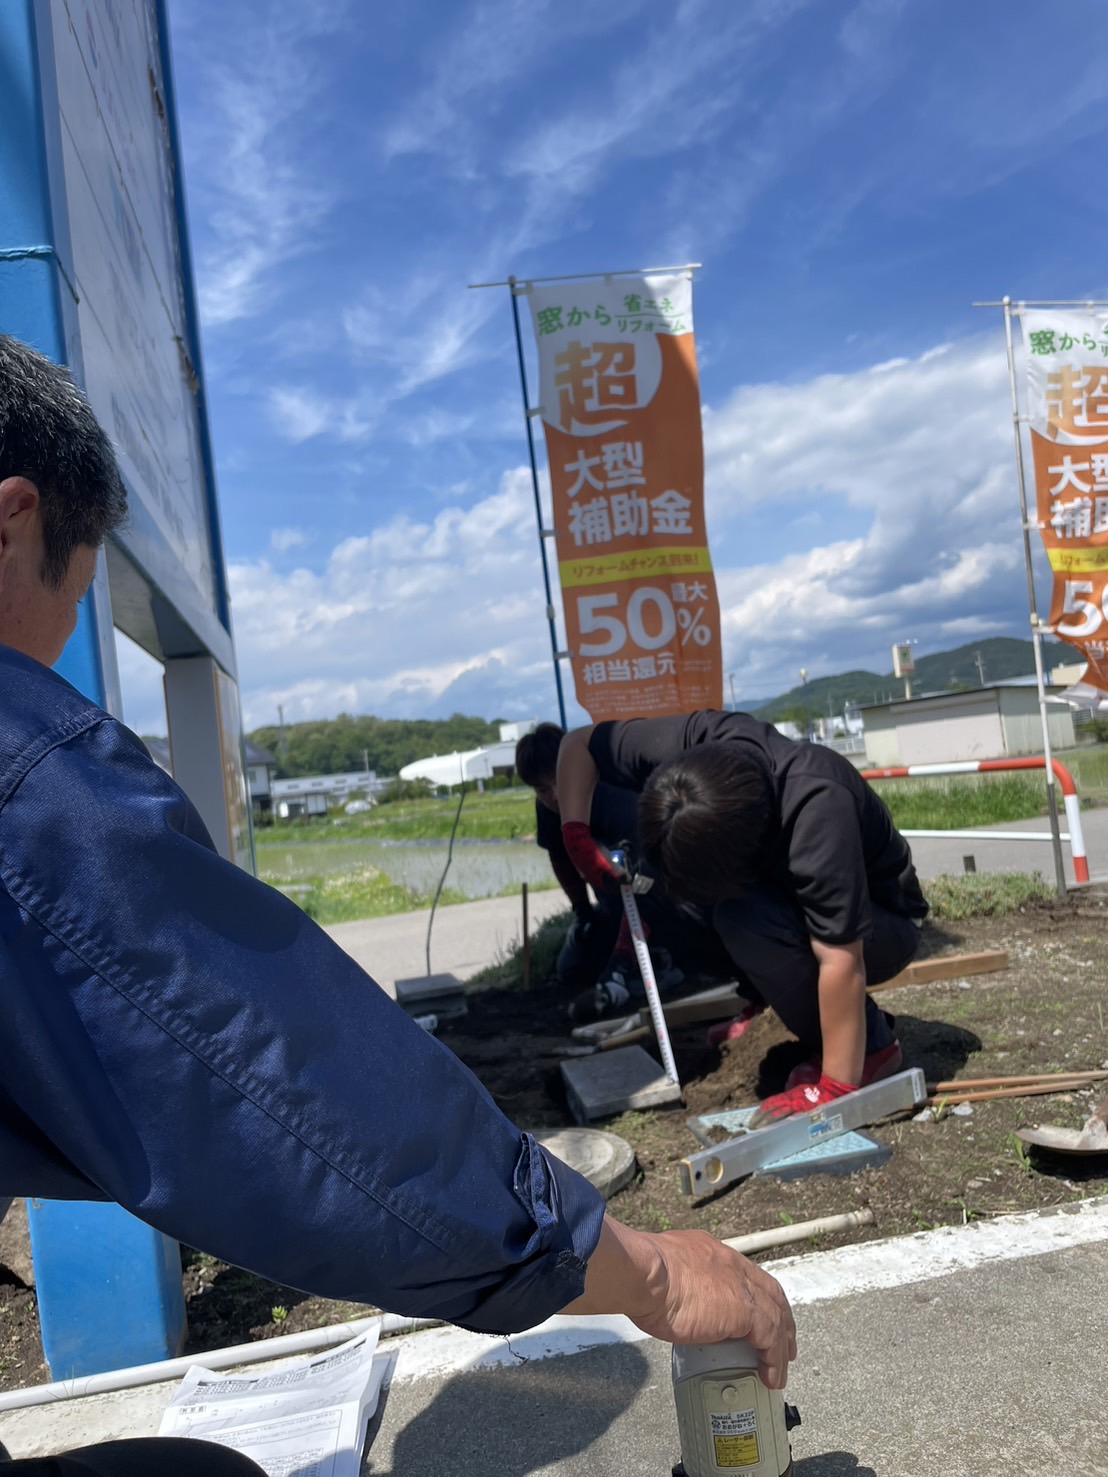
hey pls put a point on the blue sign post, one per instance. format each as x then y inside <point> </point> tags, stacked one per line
<point>94,272</point>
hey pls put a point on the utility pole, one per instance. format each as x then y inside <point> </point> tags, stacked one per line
<point>284,743</point>
<point>980,664</point>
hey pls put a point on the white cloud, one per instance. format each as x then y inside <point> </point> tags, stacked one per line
<point>141,683</point>
<point>496,44</point>
<point>920,453</point>
<point>846,512</point>
<point>422,334</point>
<point>256,198</point>
<point>281,540</point>
<point>678,87</point>
<point>400,616</point>
<point>298,413</point>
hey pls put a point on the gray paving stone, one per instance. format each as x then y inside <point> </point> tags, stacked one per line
<point>614,1081</point>
<point>422,987</point>
<point>440,995</point>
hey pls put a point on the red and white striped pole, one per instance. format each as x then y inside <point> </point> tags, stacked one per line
<point>990,766</point>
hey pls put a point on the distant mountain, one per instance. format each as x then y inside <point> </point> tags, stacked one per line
<point>974,665</point>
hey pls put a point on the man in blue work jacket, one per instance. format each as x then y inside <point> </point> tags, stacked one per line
<point>180,1038</point>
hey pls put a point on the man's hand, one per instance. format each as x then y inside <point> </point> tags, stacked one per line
<point>688,1288</point>
<point>589,858</point>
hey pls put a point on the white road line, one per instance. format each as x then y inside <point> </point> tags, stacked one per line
<point>902,1259</point>
<point>814,1278</point>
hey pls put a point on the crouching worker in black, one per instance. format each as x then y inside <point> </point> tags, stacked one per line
<point>811,887</point>
<point>597,959</point>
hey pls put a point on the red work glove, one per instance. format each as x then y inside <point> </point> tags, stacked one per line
<point>800,1099</point>
<point>589,859</point>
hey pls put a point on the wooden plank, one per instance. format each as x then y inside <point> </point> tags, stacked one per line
<point>626,1038</point>
<point>712,1005</point>
<point>949,967</point>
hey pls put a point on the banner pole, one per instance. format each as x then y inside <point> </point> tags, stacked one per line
<point>1036,633</point>
<point>538,504</point>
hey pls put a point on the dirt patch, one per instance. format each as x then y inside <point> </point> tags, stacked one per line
<point>1047,1012</point>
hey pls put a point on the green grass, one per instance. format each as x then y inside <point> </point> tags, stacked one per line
<point>365,894</point>
<point>370,894</point>
<point>500,815</point>
<point>959,802</point>
<point>1089,768</point>
<point>507,972</point>
<point>985,894</point>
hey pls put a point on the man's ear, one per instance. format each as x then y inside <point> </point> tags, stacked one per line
<point>19,511</point>
<point>19,502</point>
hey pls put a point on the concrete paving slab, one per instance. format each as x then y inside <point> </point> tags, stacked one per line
<point>971,1351</point>
<point>441,996</point>
<point>614,1081</point>
<point>422,987</point>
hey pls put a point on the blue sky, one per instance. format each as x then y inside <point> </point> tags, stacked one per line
<point>852,176</point>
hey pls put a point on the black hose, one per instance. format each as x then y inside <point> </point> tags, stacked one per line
<point>442,879</point>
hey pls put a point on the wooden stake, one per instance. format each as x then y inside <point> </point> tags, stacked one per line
<point>963,1084</point>
<point>923,971</point>
<point>1032,1089</point>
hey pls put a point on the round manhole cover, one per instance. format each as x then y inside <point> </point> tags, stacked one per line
<point>605,1160</point>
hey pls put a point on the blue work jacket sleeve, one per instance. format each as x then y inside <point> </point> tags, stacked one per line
<point>199,1050</point>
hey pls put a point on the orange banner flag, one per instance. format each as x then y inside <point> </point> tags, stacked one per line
<point>1067,370</point>
<point>620,402</point>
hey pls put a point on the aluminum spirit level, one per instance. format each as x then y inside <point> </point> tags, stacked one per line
<point>711,1170</point>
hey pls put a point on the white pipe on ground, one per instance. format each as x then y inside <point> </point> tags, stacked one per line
<point>170,1369</point>
<point>783,1235</point>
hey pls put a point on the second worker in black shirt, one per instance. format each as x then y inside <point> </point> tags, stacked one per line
<point>810,885</point>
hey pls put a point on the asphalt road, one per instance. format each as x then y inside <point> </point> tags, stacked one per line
<point>999,853</point>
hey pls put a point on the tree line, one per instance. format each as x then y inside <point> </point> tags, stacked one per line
<point>343,744</point>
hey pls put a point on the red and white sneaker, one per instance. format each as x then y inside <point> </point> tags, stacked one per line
<point>733,1030</point>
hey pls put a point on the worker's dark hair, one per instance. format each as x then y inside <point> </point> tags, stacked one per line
<point>537,753</point>
<point>705,820</point>
<point>49,435</point>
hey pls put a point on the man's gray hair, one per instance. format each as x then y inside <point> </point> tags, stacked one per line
<point>49,435</point>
